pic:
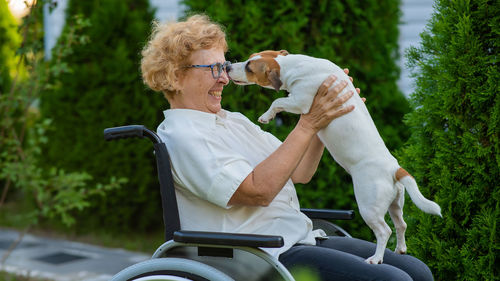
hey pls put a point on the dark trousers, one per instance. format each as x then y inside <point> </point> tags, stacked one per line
<point>343,258</point>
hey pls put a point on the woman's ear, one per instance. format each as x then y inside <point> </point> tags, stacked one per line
<point>177,81</point>
<point>274,78</point>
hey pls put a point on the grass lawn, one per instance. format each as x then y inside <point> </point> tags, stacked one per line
<point>5,276</point>
<point>13,215</point>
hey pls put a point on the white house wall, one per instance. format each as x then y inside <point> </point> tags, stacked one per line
<point>415,14</point>
<point>53,22</point>
<point>167,10</point>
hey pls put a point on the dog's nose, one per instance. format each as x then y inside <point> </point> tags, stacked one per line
<point>228,69</point>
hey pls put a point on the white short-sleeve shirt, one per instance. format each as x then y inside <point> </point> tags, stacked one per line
<point>211,155</point>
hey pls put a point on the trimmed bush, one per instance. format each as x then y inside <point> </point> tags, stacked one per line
<point>454,148</point>
<point>99,86</point>
<point>359,35</point>
<point>9,42</point>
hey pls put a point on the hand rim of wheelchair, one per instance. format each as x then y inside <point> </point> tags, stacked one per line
<point>168,268</point>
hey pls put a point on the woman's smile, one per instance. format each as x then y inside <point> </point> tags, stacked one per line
<point>199,89</point>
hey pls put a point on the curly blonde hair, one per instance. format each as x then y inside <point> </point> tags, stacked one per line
<point>171,45</point>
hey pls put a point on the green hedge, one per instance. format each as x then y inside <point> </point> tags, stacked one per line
<point>100,86</point>
<point>360,35</point>
<point>104,89</point>
<point>454,149</point>
<point>9,42</point>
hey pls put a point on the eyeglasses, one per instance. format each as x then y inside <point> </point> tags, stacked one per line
<point>216,68</point>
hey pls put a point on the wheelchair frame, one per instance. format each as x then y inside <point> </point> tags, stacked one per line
<point>212,244</point>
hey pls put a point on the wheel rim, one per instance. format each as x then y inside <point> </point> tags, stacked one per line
<point>162,278</point>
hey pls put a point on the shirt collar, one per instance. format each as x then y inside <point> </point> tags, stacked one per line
<point>200,116</point>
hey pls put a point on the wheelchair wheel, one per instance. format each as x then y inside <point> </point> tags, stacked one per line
<point>172,269</point>
<point>162,277</point>
<point>330,229</point>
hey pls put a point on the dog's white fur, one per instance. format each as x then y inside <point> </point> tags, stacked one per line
<point>353,141</point>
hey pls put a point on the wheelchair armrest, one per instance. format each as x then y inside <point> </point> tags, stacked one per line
<point>327,214</point>
<point>228,239</point>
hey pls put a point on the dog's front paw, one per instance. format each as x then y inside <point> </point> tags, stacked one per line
<point>263,121</point>
<point>265,118</point>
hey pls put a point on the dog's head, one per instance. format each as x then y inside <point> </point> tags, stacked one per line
<point>261,69</point>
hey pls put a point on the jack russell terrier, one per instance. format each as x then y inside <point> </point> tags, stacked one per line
<point>352,139</point>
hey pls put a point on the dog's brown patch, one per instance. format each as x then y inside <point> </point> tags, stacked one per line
<point>270,53</point>
<point>401,173</point>
<point>264,71</point>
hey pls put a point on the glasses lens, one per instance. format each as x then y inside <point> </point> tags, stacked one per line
<point>218,69</point>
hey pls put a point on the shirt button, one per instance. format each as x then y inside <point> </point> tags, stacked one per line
<point>219,121</point>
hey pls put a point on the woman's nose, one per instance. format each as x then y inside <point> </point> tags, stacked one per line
<point>224,78</point>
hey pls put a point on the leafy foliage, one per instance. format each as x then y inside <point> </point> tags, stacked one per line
<point>454,149</point>
<point>56,193</point>
<point>359,35</point>
<point>9,41</point>
<point>99,86</point>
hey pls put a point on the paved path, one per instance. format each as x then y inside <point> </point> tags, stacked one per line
<point>62,260</point>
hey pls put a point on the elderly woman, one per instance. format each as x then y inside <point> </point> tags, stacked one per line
<point>231,176</point>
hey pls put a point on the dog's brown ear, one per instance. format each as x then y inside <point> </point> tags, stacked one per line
<point>283,52</point>
<point>274,78</point>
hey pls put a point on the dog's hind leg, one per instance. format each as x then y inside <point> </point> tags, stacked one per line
<point>382,232</point>
<point>374,191</point>
<point>396,212</point>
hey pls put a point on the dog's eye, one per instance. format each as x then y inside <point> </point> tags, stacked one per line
<point>247,68</point>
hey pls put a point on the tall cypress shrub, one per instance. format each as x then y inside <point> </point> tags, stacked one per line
<point>359,35</point>
<point>101,87</point>
<point>454,148</point>
<point>9,42</point>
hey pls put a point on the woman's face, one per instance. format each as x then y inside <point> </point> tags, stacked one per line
<point>198,88</point>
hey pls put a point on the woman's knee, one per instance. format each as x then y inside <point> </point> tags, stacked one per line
<point>370,272</point>
<point>332,264</point>
<point>416,268</point>
<point>389,273</point>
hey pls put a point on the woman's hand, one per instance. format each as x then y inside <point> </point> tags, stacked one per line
<point>326,106</point>
<point>298,156</point>
<point>346,70</point>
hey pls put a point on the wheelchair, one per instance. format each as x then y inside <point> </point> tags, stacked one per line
<point>214,256</point>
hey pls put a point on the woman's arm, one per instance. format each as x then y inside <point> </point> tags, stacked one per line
<point>310,161</point>
<point>268,178</point>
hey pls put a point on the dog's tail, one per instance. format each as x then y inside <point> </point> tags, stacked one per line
<point>410,185</point>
